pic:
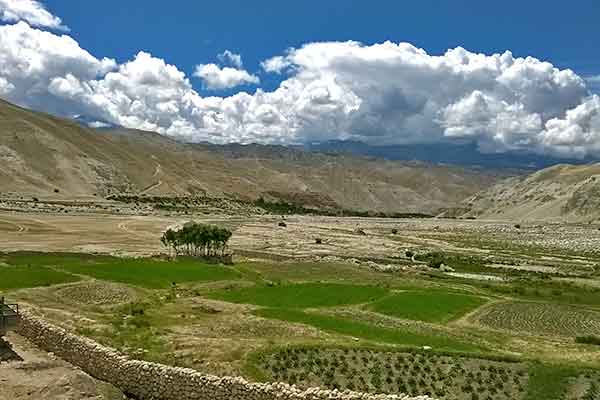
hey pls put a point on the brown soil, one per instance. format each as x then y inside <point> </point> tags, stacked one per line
<point>41,375</point>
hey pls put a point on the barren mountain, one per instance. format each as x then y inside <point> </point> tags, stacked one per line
<point>42,155</point>
<point>565,192</point>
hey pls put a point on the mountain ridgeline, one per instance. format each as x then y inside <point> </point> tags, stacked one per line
<point>42,155</point>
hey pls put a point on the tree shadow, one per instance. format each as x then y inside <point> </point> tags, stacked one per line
<point>7,353</point>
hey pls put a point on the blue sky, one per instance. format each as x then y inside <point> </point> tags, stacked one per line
<point>510,76</point>
<point>186,33</point>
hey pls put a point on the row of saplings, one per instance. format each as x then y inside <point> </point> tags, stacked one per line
<point>197,240</point>
<point>441,377</point>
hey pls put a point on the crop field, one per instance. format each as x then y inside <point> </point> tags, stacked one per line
<point>429,306</point>
<point>304,295</point>
<point>97,292</point>
<point>23,276</point>
<point>154,274</point>
<point>380,371</point>
<point>355,312</point>
<point>370,332</point>
<point>541,318</point>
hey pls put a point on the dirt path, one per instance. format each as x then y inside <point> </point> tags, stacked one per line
<point>157,172</point>
<point>41,375</point>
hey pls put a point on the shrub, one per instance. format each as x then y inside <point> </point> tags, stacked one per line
<point>282,224</point>
<point>394,231</point>
<point>409,254</point>
<point>436,261</point>
<point>518,226</point>
<point>56,190</point>
<point>589,339</point>
<point>318,241</point>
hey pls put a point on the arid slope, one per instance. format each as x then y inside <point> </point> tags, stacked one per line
<point>565,192</point>
<point>42,154</point>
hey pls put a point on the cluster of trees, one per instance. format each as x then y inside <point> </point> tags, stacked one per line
<point>282,208</point>
<point>196,239</point>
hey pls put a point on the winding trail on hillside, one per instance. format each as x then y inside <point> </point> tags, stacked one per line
<point>157,172</point>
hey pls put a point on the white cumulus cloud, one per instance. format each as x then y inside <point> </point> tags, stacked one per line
<point>31,11</point>
<point>216,77</point>
<point>275,64</point>
<point>381,94</point>
<point>230,58</point>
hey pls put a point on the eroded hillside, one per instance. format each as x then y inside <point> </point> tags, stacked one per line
<point>560,192</point>
<point>41,155</point>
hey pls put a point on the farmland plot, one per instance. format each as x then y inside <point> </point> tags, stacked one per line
<point>379,371</point>
<point>541,318</point>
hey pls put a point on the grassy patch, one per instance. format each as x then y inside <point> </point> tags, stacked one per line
<point>367,331</point>
<point>304,295</point>
<point>548,382</point>
<point>154,274</point>
<point>430,306</point>
<point>53,259</point>
<point>23,276</point>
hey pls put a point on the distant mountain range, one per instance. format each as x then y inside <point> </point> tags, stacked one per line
<point>444,153</point>
<point>43,155</point>
<point>460,154</point>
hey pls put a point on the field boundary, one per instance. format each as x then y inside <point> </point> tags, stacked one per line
<point>147,380</point>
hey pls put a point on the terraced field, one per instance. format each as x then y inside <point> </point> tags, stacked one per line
<point>540,318</point>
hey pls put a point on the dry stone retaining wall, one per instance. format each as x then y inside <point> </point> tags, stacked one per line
<point>152,381</point>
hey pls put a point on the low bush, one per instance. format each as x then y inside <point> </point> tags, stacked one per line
<point>588,339</point>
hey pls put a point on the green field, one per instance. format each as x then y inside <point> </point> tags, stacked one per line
<point>55,259</point>
<point>304,295</point>
<point>315,304</point>
<point>429,306</point>
<point>23,276</point>
<point>367,331</point>
<point>154,274</point>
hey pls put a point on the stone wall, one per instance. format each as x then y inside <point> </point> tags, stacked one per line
<point>146,380</point>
